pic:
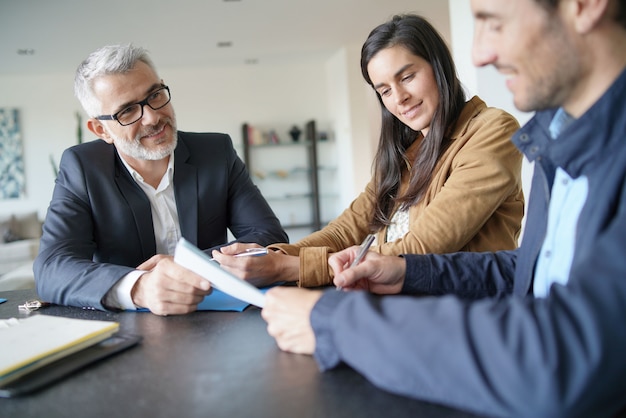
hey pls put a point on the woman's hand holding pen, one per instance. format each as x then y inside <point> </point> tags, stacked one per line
<point>243,261</point>
<point>376,273</point>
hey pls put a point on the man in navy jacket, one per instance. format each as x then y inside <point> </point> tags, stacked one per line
<point>538,331</point>
<point>121,203</point>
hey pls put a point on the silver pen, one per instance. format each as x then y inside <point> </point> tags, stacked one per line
<point>252,252</point>
<point>365,246</point>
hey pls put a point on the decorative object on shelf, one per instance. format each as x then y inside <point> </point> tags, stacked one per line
<point>295,133</point>
<point>259,174</point>
<point>273,137</point>
<point>12,175</point>
<point>256,136</point>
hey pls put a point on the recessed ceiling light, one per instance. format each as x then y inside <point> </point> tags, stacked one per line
<point>224,44</point>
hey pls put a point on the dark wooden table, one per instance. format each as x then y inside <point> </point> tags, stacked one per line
<point>206,364</point>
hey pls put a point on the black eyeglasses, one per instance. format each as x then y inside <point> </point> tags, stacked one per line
<point>132,113</point>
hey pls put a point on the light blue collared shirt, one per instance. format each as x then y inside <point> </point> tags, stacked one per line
<point>566,203</point>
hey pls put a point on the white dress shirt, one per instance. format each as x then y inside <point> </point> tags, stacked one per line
<point>166,231</point>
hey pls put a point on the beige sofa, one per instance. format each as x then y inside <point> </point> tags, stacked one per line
<point>19,244</point>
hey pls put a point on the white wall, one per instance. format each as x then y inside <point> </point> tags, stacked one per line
<point>205,99</point>
<point>330,90</point>
<point>221,99</point>
<point>47,108</point>
<point>355,121</point>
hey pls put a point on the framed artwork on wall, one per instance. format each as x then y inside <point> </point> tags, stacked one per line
<point>12,176</point>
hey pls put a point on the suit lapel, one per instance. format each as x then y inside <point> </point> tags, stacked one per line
<point>186,192</point>
<point>139,206</point>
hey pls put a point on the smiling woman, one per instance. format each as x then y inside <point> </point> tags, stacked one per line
<point>446,175</point>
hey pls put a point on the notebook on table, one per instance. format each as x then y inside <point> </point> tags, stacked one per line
<point>40,349</point>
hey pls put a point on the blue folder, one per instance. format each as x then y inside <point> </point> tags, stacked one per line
<point>220,301</point>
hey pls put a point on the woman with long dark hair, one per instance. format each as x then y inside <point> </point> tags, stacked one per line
<point>446,176</point>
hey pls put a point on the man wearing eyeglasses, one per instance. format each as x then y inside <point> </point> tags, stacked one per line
<point>120,204</point>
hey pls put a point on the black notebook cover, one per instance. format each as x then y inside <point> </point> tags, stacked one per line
<point>63,367</point>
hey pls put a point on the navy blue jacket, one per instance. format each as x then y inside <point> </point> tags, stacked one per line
<point>99,224</point>
<point>488,345</point>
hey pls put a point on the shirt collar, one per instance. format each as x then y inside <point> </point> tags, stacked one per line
<point>139,178</point>
<point>559,123</point>
<point>596,134</point>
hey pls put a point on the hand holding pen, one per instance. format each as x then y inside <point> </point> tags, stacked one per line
<point>379,274</point>
<point>257,265</point>
<point>365,246</point>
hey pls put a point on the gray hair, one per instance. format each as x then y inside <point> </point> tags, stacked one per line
<point>111,59</point>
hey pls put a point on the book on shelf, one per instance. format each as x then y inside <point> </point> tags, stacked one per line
<point>256,136</point>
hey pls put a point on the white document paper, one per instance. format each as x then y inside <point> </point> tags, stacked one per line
<point>190,257</point>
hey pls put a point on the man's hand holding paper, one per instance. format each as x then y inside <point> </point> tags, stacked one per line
<point>168,288</point>
<point>187,255</point>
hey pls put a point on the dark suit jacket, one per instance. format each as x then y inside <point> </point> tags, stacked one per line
<point>99,224</point>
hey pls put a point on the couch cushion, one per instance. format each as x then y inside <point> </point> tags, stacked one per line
<point>19,227</point>
<point>14,254</point>
<point>21,277</point>
<point>6,229</point>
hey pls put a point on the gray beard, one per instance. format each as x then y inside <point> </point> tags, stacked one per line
<point>134,149</point>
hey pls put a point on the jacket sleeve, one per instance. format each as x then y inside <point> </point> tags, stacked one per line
<point>463,274</point>
<point>346,230</point>
<point>503,356</point>
<point>65,272</point>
